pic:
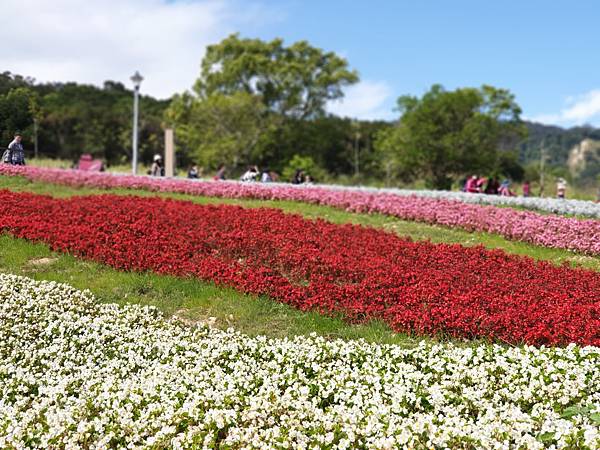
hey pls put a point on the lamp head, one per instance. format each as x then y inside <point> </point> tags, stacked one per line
<point>137,79</point>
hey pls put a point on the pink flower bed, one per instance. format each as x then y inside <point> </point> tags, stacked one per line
<point>545,230</point>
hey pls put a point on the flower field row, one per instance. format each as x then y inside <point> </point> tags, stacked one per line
<point>527,226</point>
<point>585,208</point>
<point>78,374</point>
<point>361,272</point>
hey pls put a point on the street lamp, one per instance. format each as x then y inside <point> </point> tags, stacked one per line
<point>137,80</point>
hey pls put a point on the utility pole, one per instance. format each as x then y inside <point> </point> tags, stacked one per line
<point>169,153</point>
<point>356,155</point>
<point>35,137</point>
<point>356,127</point>
<point>542,164</point>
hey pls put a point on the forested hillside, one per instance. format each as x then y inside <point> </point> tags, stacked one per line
<point>241,128</point>
<point>75,118</point>
<point>556,140</point>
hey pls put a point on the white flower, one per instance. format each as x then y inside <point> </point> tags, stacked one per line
<point>75,373</point>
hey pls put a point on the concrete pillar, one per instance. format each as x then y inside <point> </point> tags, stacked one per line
<point>169,153</point>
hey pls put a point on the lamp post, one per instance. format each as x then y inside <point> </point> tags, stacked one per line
<point>137,80</point>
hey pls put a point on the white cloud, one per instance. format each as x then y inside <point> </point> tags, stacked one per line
<point>367,100</point>
<point>97,40</point>
<point>584,108</point>
<point>580,109</point>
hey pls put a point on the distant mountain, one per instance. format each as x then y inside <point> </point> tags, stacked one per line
<point>584,159</point>
<point>558,142</point>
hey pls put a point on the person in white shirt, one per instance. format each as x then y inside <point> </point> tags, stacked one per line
<point>250,175</point>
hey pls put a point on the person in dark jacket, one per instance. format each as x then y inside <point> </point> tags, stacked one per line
<point>299,177</point>
<point>15,154</point>
<point>493,187</point>
<point>193,173</point>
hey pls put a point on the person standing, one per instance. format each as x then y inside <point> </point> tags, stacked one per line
<point>15,154</point>
<point>561,188</point>
<point>526,189</point>
<point>157,169</point>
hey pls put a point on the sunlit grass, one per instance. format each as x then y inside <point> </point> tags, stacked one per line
<point>189,298</point>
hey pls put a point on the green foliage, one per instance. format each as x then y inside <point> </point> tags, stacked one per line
<point>220,128</point>
<point>17,108</point>
<point>557,143</point>
<point>85,119</point>
<point>395,165</point>
<point>532,171</point>
<point>508,166</point>
<point>306,164</point>
<point>447,134</point>
<point>294,81</point>
<point>75,119</point>
<point>259,102</point>
<point>330,141</point>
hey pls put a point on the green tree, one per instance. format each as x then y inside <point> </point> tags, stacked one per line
<point>306,164</point>
<point>17,110</point>
<point>445,134</point>
<point>294,81</point>
<point>220,128</point>
<point>508,166</point>
<point>80,119</point>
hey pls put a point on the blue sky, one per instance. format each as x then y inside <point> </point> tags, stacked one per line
<point>545,52</point>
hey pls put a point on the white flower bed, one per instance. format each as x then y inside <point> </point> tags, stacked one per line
<point>552,205</point>
<point>74,373</point>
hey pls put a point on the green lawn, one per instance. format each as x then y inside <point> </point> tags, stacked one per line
<point>190,299</point>
<point>198,301</point>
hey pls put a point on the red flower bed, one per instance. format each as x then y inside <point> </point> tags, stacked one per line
<point>361,272</point>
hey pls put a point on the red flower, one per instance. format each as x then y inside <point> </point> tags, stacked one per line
<point>362,272</point>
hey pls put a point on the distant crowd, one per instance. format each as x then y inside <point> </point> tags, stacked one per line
<point>491,186</point>
<point>15,154</point>
<point>253,174</point>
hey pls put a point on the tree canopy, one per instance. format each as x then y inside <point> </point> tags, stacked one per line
<point>220,129</point>
<point>75,118</point>
<point>259,102</point>
<point>294,81</point>
<point>446,134</point>
<point>18,107</point>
